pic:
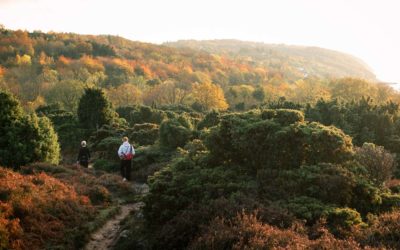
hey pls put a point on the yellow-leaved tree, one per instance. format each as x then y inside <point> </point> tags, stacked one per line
<point>124,95</point>
<point>209,96</point>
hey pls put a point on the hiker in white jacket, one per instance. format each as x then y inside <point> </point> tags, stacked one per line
<point>126,153</point>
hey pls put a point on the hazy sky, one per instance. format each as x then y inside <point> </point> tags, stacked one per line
<point>368,29</point>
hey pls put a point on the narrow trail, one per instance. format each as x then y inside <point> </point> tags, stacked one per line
<point>105,237</point>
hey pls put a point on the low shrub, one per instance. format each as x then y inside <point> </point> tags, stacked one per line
<point>341,221</point>
<point>99,195</point>
<point>246,231</point>
<point>383,232</point>
<point>105,165</point>
<point>174,134</point>
<point>144,134</point>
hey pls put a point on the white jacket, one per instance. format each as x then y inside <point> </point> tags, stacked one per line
<point>124,149</point>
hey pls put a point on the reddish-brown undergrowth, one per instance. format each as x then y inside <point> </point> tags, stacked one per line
<point>38,210</point>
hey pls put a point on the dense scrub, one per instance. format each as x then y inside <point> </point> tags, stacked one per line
<point>271,161</point>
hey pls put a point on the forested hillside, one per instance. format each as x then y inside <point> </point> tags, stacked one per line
<point>294,61</point>
<point>54,68</point>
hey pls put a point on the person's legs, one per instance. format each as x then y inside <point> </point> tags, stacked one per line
<point>122,169</point>
<point>84,164</point>
<point>128,170</point>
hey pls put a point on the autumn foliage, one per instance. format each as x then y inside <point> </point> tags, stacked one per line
<point>39,210</point>
<point>246,231</point>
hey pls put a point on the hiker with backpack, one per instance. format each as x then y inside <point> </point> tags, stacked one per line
<point>84,155</point>
<point>126,153</point>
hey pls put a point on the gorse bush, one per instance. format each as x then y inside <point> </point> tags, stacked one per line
<point>142,114</point>
<point>145,133</point>
<point>258,143</point>
<point>175,133</point>
<point>211,119</point>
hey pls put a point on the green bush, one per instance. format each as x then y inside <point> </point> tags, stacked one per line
<point>174,134</point>
<point>105,165</point>
<point>283,116</point>
<point>148,160</point>
<point>144,134</point>
<point>142,114</point>
<point>107,148</point>
<point>309,209</point>
<point>211,119</point>
<point>390,201</point>
<point>248,140</point>
<point>342,220</point>
<point>25,138</point>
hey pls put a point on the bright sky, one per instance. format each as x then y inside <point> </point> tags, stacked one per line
<point>368,29</point>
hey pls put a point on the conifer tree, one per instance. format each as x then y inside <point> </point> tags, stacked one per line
<point>95,109</point>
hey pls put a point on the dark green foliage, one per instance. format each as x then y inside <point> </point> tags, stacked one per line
<point>66,125</point>
<point>318,182</point>
<point>175,188</point>
<point>259,94</point>
<point>367,197</point>
<point>248,140</point>
<point>363,120</point>
<point>142,114</point>
<point>148,160</point>
<point>271,161</point>
<point>307,208</point>
<point>342,220</point>
<point>10,111</point>
<point>25,138</point>
<point>95,110</point>
<point>390,201</point>
<point>211,119</point>
<point>144,134</point>
<point>175,133</point>
<point>282,103</point>
<point>102,49</point>
<point>47,142</point>
<point>105,165</point>
<point>107,148</point>
<point>283,116</point>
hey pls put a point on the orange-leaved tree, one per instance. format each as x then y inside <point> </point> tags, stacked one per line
<point>209,96</point>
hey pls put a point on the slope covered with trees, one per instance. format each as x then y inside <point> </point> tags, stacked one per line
<point>293,61</point>
<point>55,68</point>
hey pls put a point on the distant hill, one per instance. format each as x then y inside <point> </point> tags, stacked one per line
<point>293,61</point>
